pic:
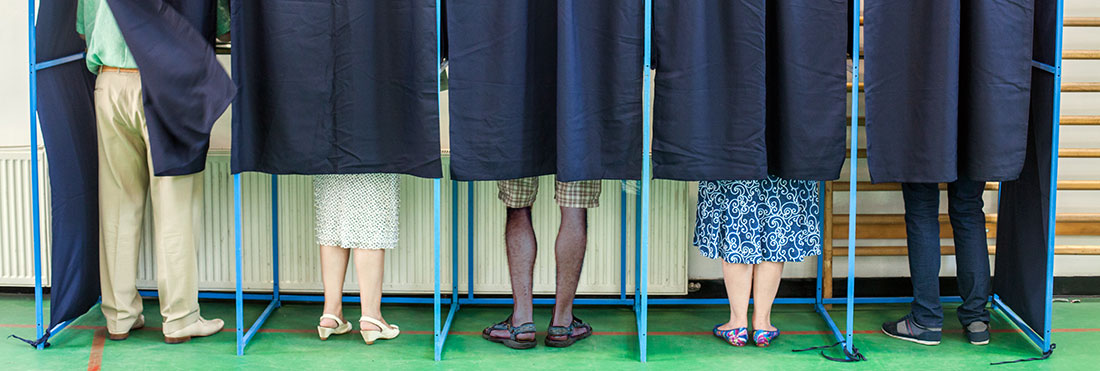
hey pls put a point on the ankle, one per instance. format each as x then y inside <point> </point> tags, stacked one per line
<point>336,310</point>
<point>734,324</point>
<point>561,319</point>
<point>376,314</point>
<point>521,316</point>
<point>766,326</point>
<point>763,324</point>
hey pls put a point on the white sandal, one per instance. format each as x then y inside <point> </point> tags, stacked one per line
<point>342,327</point>
<point>369,336</point>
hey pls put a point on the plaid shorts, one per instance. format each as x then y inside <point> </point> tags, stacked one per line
<point>520,193</point>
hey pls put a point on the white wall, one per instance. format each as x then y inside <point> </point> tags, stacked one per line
<point>14,101</point>
<point>14,130</point>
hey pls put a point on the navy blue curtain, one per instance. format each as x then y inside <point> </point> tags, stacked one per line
<point>710,93</point>
<point>184,87</point>
<point>1023,223</point>
<point>747,88</point>
<point>545,87</point>
<point>947,89</point>
<point>807,53</point>
<point>335,87</point>
<point>67,118</point>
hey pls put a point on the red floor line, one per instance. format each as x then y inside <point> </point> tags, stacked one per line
<point>1076,330</point>
<point>700,333</point>
<point>95,358</point>
<point>606,333</point>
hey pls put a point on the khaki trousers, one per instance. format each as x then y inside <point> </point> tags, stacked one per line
<point>126,181</point>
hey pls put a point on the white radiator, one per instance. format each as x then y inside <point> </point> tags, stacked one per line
<point>16,240</point>
<point>408,268</point>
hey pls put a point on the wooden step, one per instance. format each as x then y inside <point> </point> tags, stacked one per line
<point>1080,120</point>
<point>841,251</point>
<point>1081,87</point>
<point>1067,21</point>
<point>1067,87</point>
<point>1081,22</point>
<point>1068,120</point>
<point>892,226</point>
<point>1063,185</point>
<point>1062,153</point>
<point>1081,54</point>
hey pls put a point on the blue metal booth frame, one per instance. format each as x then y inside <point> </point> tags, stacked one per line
<point>639,301</point>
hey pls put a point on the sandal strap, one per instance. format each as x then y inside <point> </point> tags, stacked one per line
<point>525,328</point>
<point>373,321</point>
<point>505,325</point>
<point>560,330</point>
<point>339,322</point>
<point>513,331</point>
<point>567,330</point>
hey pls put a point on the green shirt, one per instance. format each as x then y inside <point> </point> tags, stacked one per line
<point>106,47</point>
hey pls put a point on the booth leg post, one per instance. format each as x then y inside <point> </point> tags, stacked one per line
<point>436,207</point>
<point>275,241</point>
<point>237,238</point>
<point>853,181</point>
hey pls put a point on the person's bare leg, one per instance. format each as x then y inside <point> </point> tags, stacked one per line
<point>766,279</point>
<point>334,266</point>
<point>369,267</point>
<point>738,279</point>
<point>519,236</point>
<point>569,251</point>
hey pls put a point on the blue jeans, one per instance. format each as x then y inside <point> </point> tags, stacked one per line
<point>922,201</point>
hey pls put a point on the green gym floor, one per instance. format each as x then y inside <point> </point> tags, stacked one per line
<point>679,339</point>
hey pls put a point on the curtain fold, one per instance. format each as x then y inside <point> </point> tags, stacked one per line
<point>543,87</point>
<point>806,122</point>
<point>1023,216</point>
<point>947,89</point>
<point>335,87</point>
<point>746,88</point>
<point>184,87</point>
<point>66,116</point>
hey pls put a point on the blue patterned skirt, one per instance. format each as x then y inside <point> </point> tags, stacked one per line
<point>753,221</point>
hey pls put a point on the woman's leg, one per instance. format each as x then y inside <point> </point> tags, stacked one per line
<point>766,278</point>
<point>369,265</point>
<point>738,279</point>
<point>334,266</point>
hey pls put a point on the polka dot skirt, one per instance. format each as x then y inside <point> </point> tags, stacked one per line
<point>357,211</point>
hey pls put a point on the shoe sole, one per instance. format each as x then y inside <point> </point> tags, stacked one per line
<point>171,340</point>
<point>980,342</point>
<point>912,340</point>
<point>325,337</point>
<point>123,336</point>
<point>566,343</point>
<point>511,344</point>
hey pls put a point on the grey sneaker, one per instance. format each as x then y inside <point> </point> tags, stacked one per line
<point>977,333</point>
<point>909,330</point>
